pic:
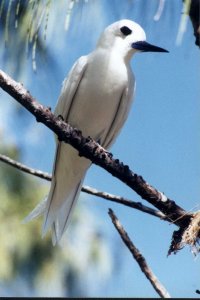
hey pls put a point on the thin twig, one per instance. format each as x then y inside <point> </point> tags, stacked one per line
<point>90,149</point>
<point>124,201</point>
<point>159,288</point>
<point>86,189</point>
<point>24,168</point>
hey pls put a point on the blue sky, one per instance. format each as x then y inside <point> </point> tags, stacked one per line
<point>159,141</point>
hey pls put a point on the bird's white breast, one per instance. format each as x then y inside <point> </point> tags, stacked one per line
<point>98,95</point>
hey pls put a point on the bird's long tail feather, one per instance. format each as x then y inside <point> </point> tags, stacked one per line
<point>36,212</point>
<point>67,178</point>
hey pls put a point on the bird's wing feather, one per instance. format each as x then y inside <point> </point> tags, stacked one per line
<point>63,162</point>
<point>69,87</point>
<point>120,116</point>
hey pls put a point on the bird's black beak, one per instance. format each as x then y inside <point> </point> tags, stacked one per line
<point>146,47</point>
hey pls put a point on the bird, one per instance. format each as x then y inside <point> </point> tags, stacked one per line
<point>96,98</point>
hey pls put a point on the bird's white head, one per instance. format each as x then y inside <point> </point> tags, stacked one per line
<point>126,37</point>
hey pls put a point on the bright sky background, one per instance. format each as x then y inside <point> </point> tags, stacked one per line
<point>159,141</point>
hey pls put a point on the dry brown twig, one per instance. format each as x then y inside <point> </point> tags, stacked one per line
<point>159,288</point>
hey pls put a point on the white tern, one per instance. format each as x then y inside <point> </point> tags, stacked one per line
<point>96,97</point>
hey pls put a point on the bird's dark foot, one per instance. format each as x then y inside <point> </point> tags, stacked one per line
<point>105,151</point>
<point>60,117</point>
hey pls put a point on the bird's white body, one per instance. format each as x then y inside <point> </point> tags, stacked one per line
<point>95,98</point>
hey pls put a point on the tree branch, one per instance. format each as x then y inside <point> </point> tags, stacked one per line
<point>24,168</point>
<point>194,13</point>
<point>90,149</point>
<point>126,202</point>
<point>159,288</point>
<point>86,189</point>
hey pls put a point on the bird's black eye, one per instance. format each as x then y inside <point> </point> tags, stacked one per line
<point>125,30</point>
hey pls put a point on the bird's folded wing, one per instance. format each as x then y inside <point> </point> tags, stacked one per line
<point>59,190</point>
<point>70,86</point>
<point>120,116</point>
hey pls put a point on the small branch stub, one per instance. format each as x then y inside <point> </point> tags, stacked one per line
<point>189,235</point>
